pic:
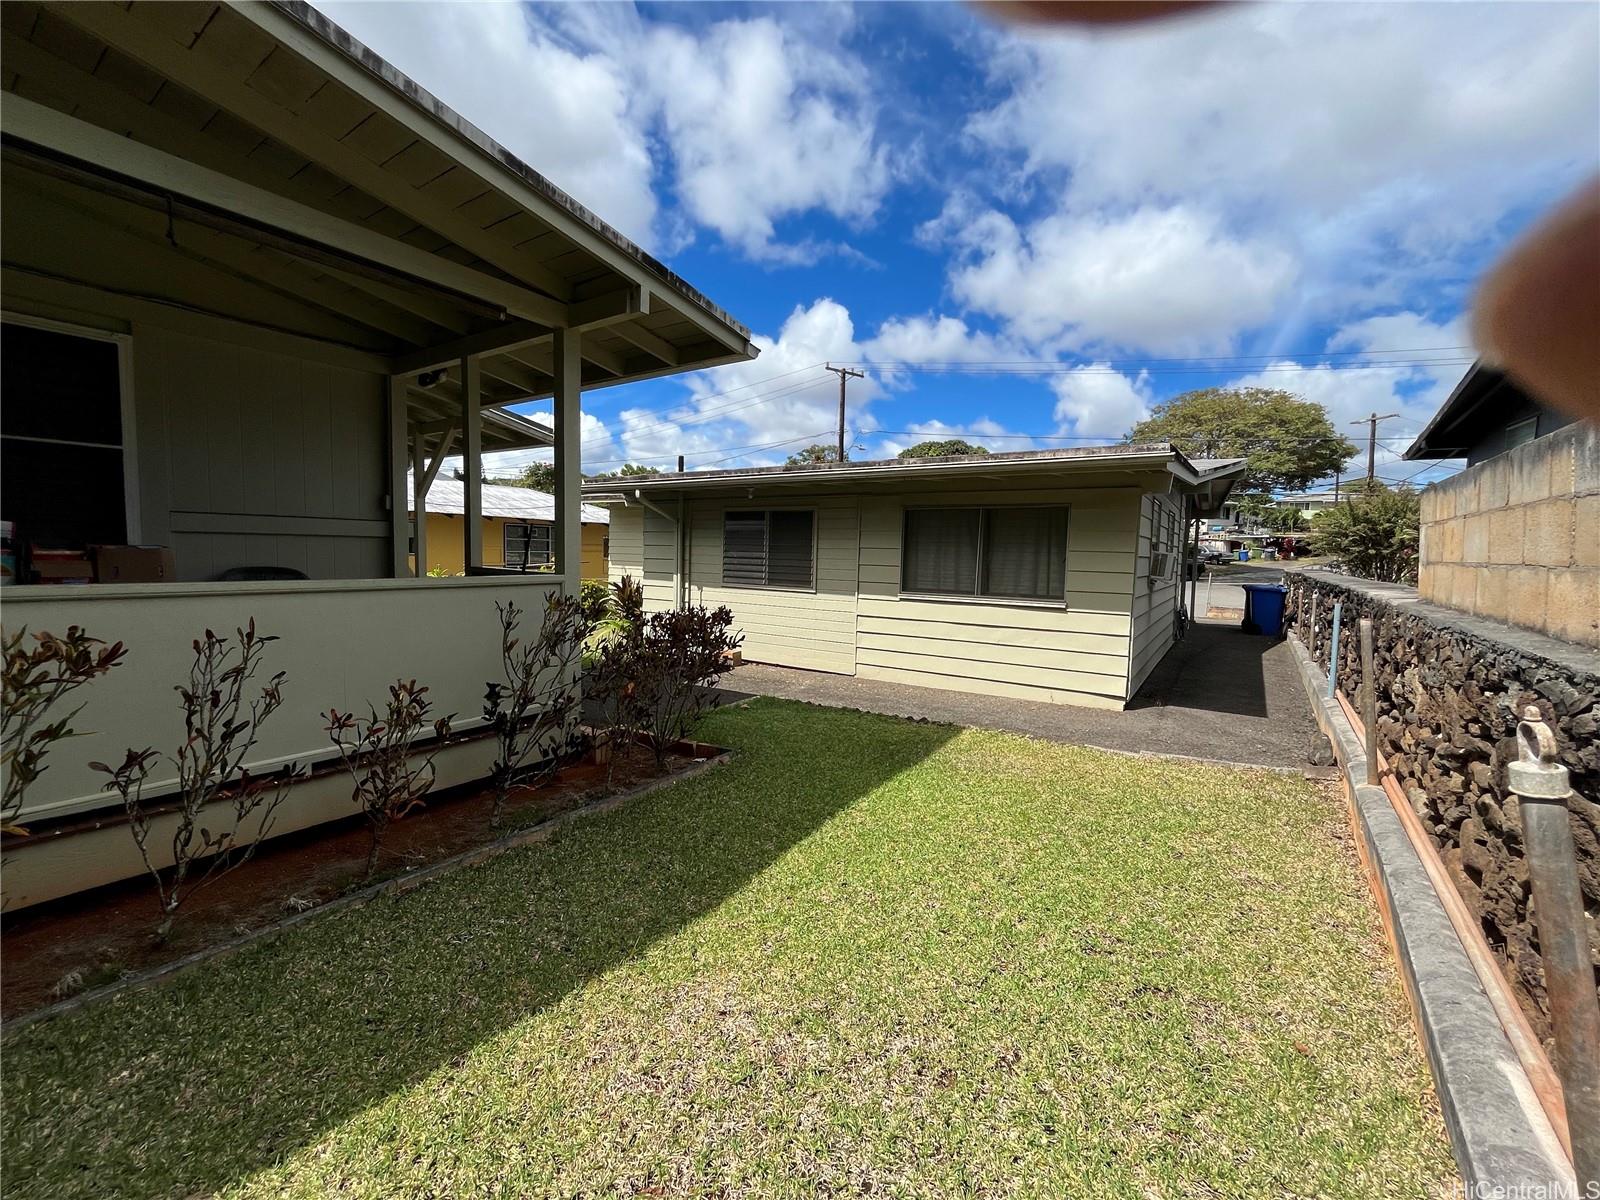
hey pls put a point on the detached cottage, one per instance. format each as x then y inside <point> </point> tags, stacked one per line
<point>1047,576</point>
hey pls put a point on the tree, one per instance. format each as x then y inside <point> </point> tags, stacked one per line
<point>540,476</point>
<point>1374,535</point>
<point>1289,442</point>
<point>945,449</point>
<point>1280,518</point>
<point>627,469</point>
<point>813,455</point>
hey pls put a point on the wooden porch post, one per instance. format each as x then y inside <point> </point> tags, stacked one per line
<point>569,458</point>
<point>472,464</point>
<point>419,498</point>
<point>399,522</point>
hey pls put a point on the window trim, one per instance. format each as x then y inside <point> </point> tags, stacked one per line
<point>981,597</point>
<point>507,526</point>
<point>132,507</point>
<point>767,511</point>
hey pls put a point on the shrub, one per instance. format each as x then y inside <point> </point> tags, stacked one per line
<point>682,655</point>
<point>37,676</point>
<point>221,727</point>
<point>621,615</point>
<point>378,752</point>
<point>595,597</point>
<point>536,711</point>
<point>656,673</point>
<point>1374,535</point>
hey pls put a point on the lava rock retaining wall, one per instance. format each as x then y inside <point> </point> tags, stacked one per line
<point>1451,689</point>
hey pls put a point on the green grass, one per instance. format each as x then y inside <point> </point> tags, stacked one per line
<point>867,956</point>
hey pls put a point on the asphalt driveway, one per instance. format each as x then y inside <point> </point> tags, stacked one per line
<point>1221,694</point>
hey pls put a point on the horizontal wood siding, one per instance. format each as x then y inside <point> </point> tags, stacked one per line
<point>1153,604</point>
<point>814,629</point>
<point>1073,654</point>
<point>627,543</point>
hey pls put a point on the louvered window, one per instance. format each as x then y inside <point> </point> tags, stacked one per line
<point>527,547</point>
<point>1005,553</point>
<point>769,548</point>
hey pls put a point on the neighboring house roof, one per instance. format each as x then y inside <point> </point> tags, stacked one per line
<point>448,497</point>
<point>1482,404</point>
<point>1211,478</point>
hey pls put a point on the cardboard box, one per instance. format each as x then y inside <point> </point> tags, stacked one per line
<point>63,568</point>
<point>135,564</point>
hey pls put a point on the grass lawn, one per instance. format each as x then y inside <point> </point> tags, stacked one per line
<point>868,956</point>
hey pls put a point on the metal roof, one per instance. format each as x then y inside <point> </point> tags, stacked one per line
<point>448,498</point>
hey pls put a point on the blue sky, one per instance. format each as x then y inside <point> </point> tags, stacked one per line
<point>1283,195</point>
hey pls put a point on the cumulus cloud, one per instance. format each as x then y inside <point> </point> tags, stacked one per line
<point>750,120</point>
<point>1381,145</point>
<point>764,124</point>
<point>784,397</point>
<point>1097,401</point>
<point>1163,280</point>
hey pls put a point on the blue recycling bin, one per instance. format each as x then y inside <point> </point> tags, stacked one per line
<point>1263,608</point>
<point>1244,556</point>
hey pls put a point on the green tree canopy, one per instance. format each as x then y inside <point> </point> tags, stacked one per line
<point>1374,534</point>
<point>812,455</point>
<point>949,448</point>
<point>627,469</point>
<point>1289,442</point>
<point>541,476</point>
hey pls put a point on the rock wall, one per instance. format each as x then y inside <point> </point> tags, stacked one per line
<point>1450,693</point>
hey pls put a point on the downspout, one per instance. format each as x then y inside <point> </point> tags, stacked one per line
<point>678,559</point>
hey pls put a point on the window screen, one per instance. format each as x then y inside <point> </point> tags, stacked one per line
<point>1007,553</point>
<point>762,548</point>
<point>528,546</point>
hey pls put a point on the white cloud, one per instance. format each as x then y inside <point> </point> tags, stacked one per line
<point>1164,280</point>
<point>1310,106</point>
<point>1382,144</point>
<point>1098,401</point>
<point>570,114</point>
<point>763,124</point>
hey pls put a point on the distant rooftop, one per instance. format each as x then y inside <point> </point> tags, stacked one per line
<point>447,497</point>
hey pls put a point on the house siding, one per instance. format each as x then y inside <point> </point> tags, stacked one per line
<point>814,629</point>
<point>1154,603</point>
<point>856,621</point>
<point>445,550</point>
<point>1077,654</point>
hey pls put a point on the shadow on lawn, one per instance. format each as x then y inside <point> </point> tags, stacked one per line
<point>234,1067</point>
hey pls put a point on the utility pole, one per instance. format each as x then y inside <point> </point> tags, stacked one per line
<point>844,374</point>
<point>1371,422</point>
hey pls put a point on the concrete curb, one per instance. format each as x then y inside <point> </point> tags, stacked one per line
<point>399,885</point>
<point>1502,1140</point>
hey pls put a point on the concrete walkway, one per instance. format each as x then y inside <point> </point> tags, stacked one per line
<point>1220,694</point>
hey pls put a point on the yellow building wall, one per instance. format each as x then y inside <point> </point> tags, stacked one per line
<point>445,550</point>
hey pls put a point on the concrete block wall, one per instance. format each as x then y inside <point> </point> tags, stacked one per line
<point>1517,538</point>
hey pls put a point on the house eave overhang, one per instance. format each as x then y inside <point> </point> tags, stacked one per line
<point>1044,469</point>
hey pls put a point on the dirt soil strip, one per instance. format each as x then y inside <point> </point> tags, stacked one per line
<point>398,885</point>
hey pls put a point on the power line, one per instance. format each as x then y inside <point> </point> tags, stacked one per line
<point>1101,368</point>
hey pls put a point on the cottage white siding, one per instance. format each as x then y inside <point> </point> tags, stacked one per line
<point>855,620</point>
<point>1077,653</point>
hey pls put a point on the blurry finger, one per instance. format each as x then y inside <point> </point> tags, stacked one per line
<point>1089,12</point>
<point>1537,315</point>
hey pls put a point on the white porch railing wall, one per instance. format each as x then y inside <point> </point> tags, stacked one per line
<point>342,642</point>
